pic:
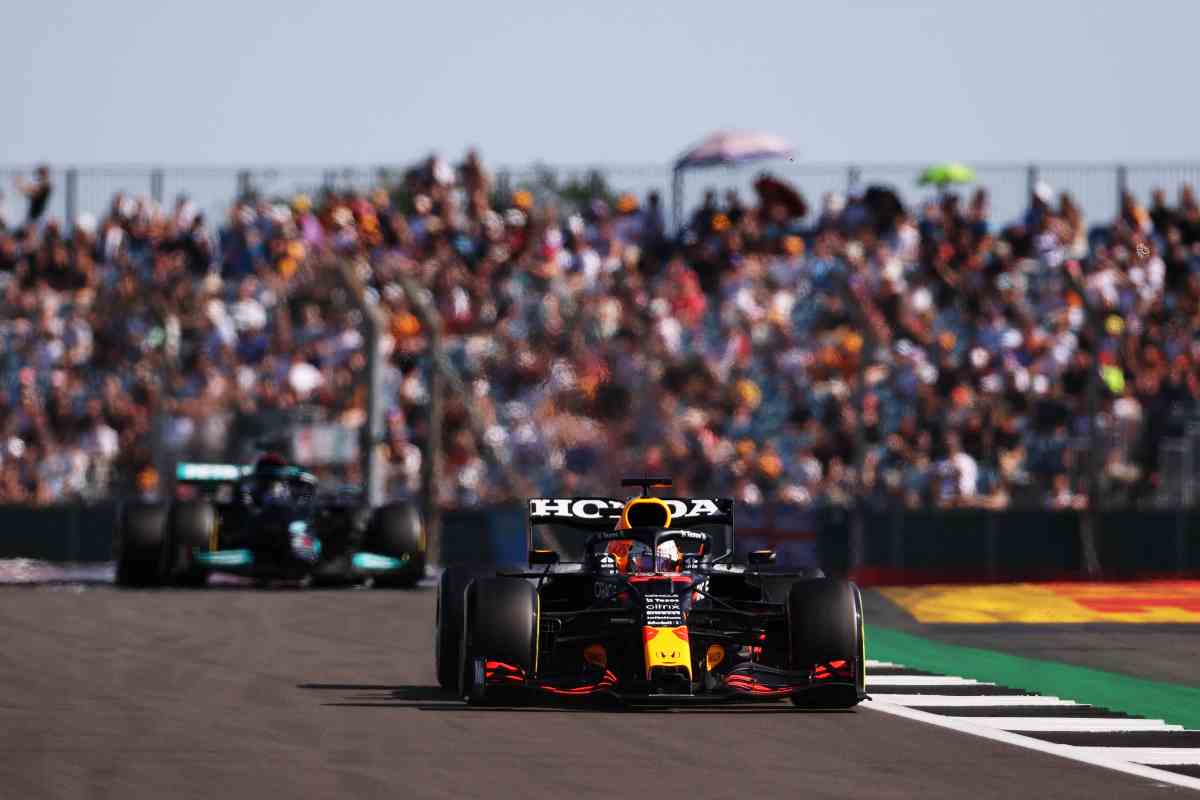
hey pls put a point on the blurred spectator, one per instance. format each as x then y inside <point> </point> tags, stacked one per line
<point>37,193</point>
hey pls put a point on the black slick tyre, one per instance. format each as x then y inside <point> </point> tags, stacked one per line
<point>449,616</point>
<point>825,625</point>
<point>501,625</point>
<point>190,526</point>
<point>395,530</point>
<point>140,545</point>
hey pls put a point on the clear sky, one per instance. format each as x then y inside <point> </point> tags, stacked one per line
<point>347,81</point>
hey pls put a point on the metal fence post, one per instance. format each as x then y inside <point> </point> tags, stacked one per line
<point>71,208</point>
<point>243,184</point>
<point>1122,185</point>
<point>853,176</point>
<point>156,185</point>
<point>1031,179</point>
<point>677,200</point>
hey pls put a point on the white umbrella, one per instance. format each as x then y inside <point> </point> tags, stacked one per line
<point>734,147</point>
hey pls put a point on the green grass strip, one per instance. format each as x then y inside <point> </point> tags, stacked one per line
<point>1166,701</point>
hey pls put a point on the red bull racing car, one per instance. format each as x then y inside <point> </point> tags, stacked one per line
<point>639,600</point>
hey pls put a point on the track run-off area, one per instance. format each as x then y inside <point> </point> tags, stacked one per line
<point>238,692</point>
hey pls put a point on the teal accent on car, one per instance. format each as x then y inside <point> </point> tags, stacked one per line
<point>374,562</point>
<point>209,472</point>
<point>223,558</point>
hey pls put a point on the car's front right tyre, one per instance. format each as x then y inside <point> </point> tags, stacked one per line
<point>501,625</point>
<point>140,545</point>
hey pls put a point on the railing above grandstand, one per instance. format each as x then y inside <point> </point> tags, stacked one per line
<point>1095,186</point>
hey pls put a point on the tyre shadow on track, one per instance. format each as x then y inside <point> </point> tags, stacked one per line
<point>435,698</point>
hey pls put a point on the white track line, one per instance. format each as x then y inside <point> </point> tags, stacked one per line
<point>873,664</point>
<point>1147,755</point>
<point>950,700</point>
<point>923,680</point>
<point>1100,756</point>
<point>1088,724</point>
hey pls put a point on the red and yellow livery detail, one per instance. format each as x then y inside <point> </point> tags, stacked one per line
<point>667,647</point>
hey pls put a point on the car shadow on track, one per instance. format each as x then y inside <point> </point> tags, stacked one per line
<point>435,698</point>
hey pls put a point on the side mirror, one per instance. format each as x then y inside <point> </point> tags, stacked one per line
<point>761,558</point>
<point>542,556</point>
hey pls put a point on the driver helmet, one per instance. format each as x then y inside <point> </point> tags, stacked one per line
<point>633,556</point>
<point>668,557</point>
<point>268,488</point>
<point>271,492</point>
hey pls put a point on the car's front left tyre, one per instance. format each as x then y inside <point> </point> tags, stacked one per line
<point>825,627</point>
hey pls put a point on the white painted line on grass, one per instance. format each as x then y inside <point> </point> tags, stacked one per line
<point>1099,756</point>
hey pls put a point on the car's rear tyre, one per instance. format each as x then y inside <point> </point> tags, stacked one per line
<point>825,624</point>
<point>190,526</point>
<point>449,617</point>
<point>140,545</point>
<point>395,530</point>
<point>501,625</point>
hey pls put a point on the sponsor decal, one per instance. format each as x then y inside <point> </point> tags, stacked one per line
<point>209,472</point>
<point>595,508</point>
<point>591,508</point>
<point>223,558</point>
<point>370,562</point>
<point>663,610</point>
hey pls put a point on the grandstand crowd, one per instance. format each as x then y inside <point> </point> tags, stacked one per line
<point>922,356</point>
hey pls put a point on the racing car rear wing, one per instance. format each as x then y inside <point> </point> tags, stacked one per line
<point>602,513</point>
<point>188,472</point>
<point>192,472</point>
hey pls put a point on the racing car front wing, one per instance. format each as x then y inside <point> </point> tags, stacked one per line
<point>747,681</point>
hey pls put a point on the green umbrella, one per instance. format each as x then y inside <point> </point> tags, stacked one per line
<point>946,173</point>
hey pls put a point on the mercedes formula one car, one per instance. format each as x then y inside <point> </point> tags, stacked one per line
<point>267,521</point>
<point>639,600</point>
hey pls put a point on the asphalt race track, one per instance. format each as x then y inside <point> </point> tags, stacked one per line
<point>243,693</point>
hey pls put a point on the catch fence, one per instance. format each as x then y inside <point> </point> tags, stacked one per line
<point>1095,187</point>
